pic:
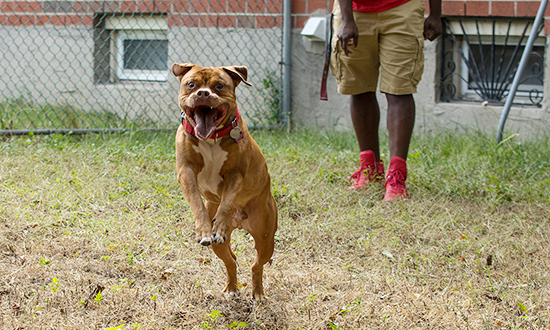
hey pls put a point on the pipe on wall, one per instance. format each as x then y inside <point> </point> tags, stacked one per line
<point>287,32</point>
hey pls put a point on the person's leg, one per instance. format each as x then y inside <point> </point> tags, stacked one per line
<point>400,121</point>
<point>365,116</point>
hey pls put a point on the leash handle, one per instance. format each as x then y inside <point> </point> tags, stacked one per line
<point>328,51</point>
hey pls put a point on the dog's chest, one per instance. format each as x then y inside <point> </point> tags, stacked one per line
<point>213,156</point>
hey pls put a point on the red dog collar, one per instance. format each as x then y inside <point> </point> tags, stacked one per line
<point>218,133</point>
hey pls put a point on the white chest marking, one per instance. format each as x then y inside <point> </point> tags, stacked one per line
<point>213,156</point>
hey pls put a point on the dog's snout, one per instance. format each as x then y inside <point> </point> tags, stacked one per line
<point>203,93</point>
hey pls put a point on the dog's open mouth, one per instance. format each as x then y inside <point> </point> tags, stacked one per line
<point>205,119</point>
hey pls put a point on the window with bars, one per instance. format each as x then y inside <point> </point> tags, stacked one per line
<point>480,58</point>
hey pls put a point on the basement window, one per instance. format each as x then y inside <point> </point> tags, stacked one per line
<point>130,48</point>
<point>480,59</point>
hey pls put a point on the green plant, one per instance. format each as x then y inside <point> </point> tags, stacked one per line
<point>268,111</point>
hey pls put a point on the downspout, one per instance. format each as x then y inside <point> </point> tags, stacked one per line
<point>287,29</point>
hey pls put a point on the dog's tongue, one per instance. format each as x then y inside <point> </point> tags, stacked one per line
<point>205,124</point>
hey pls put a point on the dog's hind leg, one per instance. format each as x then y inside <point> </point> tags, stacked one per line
<point>264,245</point>
<point>263,233</point>
<point>223,251</point>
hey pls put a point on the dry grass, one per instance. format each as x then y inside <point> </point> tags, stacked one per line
<point>94,234</point>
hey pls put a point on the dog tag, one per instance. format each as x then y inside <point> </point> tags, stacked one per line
<point>236,134</point>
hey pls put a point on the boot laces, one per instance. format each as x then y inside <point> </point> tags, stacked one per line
<point>365,170</point>
<point>395,178</point>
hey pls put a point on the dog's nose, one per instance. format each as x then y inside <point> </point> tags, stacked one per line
<point>203,93</point>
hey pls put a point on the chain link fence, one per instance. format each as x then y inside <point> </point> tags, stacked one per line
<point>105,65</point>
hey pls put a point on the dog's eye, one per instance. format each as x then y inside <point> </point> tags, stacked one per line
<point>219,86</point>
<point>191,84</point>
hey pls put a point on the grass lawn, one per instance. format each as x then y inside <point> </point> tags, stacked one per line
<point>95,234</point>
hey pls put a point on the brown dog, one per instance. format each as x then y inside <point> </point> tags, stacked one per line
<point>216,158</point>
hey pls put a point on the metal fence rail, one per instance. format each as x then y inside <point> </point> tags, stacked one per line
<point>93,65</point>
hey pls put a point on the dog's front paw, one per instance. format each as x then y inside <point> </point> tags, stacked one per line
<point>205,241</point>
<point>219,231</point>
<point>218,239</point>
<point>204,235</point>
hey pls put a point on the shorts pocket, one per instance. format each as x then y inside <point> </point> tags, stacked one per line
<point>419,62</point>
<point>335,65</point>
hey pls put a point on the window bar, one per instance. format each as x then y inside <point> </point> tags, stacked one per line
<point>511,70</point>
<point>483,72</point>
<point>476,74</point>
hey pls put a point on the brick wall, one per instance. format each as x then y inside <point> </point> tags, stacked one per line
<point>229,13</point>
<point>191,13</point>
<point>303,9</point>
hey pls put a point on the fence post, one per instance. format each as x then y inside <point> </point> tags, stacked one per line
<point>522,63</point>
<point>287,32</point>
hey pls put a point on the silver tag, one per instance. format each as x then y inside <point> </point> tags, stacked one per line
<point>235,133</point>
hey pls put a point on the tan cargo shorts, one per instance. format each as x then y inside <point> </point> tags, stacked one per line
<point>390,43</point>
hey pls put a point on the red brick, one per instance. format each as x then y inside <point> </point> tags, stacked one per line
<point>453,8</point>
<point>80,7</point>
<point>274,6</point>
<point>94,6</point>
<point>218,6</point>
<point>221,21</point>
<point>87,20</point>
<point>55,20</point>
<point>110,6</point>
<point>427,5</point>
<point>546,26</point>
<point>502,8</point>
<point>198,6</point>
<point>154,6</point>
<point>181,6</point>
<point>298,7</point>
<point>269,22</point>
<point>13,20</point>
<point>43,20</point>
<point>21,6</point>
<point>26,20</point>
<point>331,5</point>
<point>164,6</point>
<point>33,7</point>
<point>236,6</point>
<point>146,6</point>
<point>256,6</point>
<point>527,8</point>
<point>184,20</point>
<point>128,7</point>
<point>300,22</point>
<point>314,5</point>
<point>477,8</point>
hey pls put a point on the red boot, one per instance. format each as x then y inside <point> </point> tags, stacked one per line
<point>370,171</point>
<point>395,180</point>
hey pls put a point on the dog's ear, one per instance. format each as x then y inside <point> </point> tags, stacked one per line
<point>180,69</point>
<point>238,74</point>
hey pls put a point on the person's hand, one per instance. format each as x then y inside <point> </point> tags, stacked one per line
<point>348,35</point>
<point>432,27</point>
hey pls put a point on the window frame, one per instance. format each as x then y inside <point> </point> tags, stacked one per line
<point>137,74</point>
